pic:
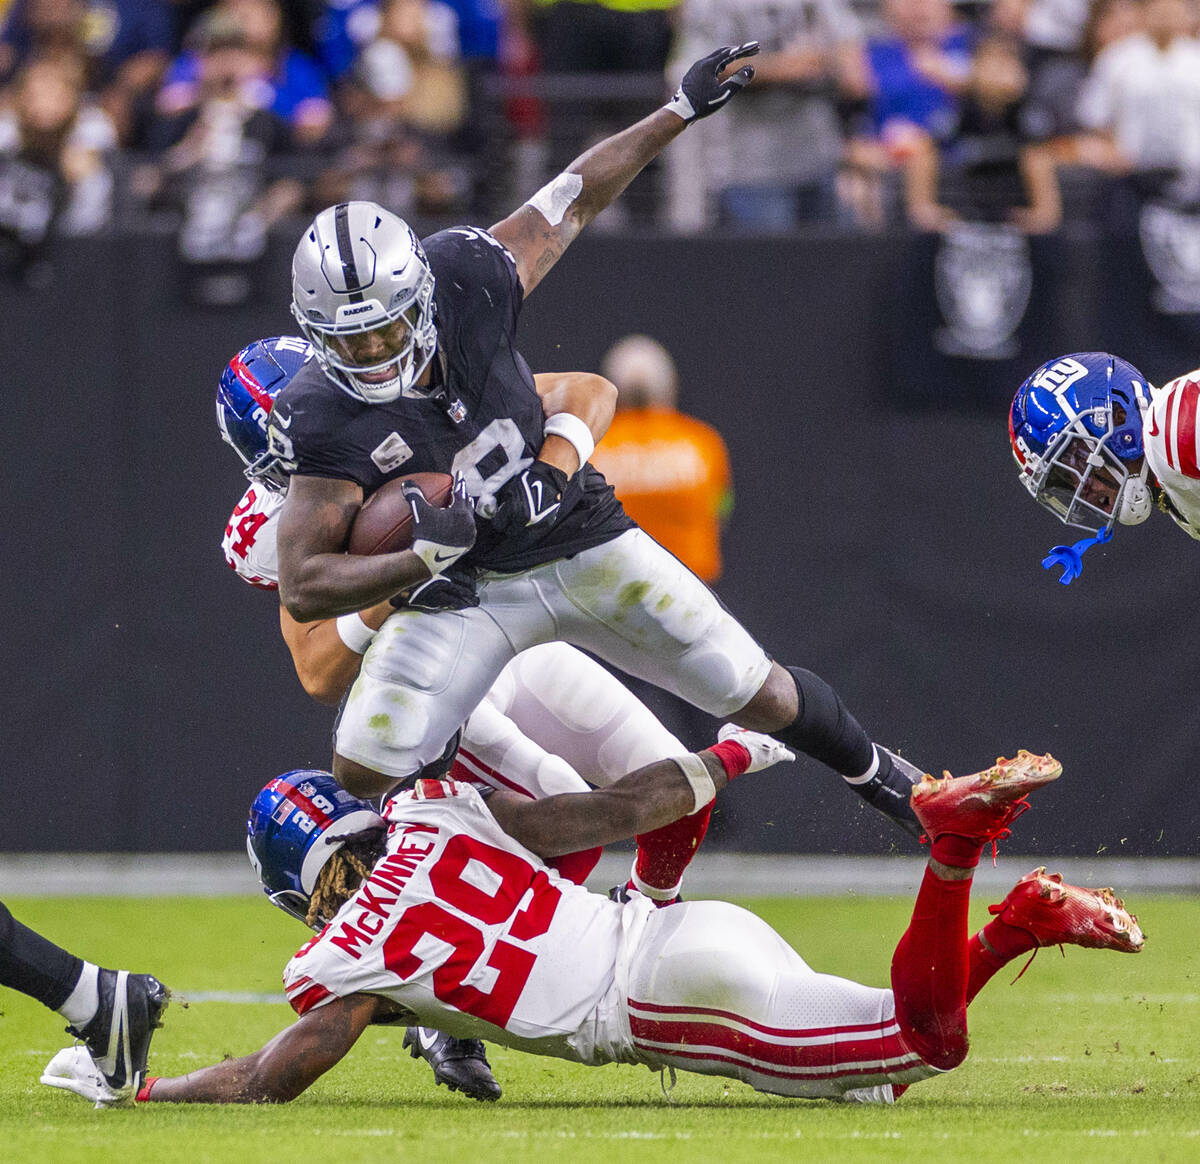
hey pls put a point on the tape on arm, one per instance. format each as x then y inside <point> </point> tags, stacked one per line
<point>574,431</point>
<point>554,199</point>
<point>698,776</point>
<point>354,633</point>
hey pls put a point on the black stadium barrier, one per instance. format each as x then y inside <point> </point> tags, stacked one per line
<point>880,536</point>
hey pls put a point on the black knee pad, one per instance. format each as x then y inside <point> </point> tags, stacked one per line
<point>824,728</point>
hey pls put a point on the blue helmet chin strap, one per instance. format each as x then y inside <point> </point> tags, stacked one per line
<point>1070,558</point>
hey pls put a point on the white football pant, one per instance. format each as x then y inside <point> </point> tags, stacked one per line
<point>714,989</point>
<point>628,601</point>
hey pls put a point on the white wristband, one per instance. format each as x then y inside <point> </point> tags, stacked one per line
<point>575,432</point>
<point>699,777</point>
<point>354,633</point>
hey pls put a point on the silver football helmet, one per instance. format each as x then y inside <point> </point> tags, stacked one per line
<point>362,292</point>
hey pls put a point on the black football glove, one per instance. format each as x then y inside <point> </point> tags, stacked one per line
<point>441,536</point>
<point>439,593</point>
<point>530,498</point>
<point>702,91</point>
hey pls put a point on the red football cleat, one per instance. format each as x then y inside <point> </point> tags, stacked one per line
<point>982,806</point>
<point>1054,913</point>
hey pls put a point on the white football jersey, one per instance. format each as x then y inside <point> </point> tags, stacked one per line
<point>1172,440</point>
<point>475,936</point>
<point>250,537</point>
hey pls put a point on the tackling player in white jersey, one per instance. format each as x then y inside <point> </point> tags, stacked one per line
<point>444,913</point>
<point>1097,444</point>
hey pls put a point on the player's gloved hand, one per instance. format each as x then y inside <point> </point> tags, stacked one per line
<point>764,751</point>
<point>73,1069</point>
<point>530,498</point>
<point>702,92</point>
<point>441,536</point>
<point>441,592</point>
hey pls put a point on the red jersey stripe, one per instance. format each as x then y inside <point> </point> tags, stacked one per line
<point>880,1071</point>
<point>804,1032</point>
<point>313,996</point>
<point>479,771</point>
<point>1185,428</point>
<point>827,1056</point>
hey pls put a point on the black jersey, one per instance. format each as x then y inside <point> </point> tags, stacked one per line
<point>484,422</point>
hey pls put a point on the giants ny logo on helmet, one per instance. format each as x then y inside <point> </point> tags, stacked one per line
<point>1075,427</point>
<point>246,395</point>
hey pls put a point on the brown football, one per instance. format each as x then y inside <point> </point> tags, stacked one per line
<point>385,523</point>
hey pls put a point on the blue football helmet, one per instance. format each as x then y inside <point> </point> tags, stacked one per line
<point>297,822</point>
<point>1076,433</point>
<point>246,395</point>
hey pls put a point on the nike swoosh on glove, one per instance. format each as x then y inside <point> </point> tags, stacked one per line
<point>72,1069</point>
<point>441,536</point>
<point>530,498</point>
<point>764,751</point>
<point>439,593</point>
<point>702,92</point>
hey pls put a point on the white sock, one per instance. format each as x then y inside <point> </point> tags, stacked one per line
<point>869,773</point>
<point>652,891</point>
<point>83,1002</point>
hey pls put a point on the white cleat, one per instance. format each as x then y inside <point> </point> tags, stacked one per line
<point>764,750</point>
<point>73,1069</point>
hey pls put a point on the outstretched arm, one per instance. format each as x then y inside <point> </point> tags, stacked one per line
<point>644,800</point>
<point>539,232</point>
<point>291,1062</point>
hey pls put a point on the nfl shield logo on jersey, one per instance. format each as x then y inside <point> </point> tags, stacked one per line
<point>982,279</point>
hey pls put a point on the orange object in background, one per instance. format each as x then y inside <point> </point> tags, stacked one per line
<point>670,471</point>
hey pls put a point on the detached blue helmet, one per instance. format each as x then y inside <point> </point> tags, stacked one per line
<point>297,822</point>
<point>246,395</point>
<point>1076,432</point>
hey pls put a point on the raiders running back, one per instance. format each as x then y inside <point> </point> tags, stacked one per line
<point>482,416</point>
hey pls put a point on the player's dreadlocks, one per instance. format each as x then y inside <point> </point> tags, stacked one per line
<point>344,872</point>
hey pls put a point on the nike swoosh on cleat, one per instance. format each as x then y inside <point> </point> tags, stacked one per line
<point>118,1034</point>
<point>444,557</point>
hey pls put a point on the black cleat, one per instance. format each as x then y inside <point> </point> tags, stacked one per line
<point>461,1064</point>
<point>622,893</point>
<point>118,1036</point>
<point>890,790</point>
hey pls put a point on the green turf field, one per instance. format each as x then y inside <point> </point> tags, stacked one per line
<point>1095,1056</point>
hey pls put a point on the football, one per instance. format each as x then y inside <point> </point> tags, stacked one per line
<point>384,525</point>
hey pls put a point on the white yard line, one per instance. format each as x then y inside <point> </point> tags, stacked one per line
<point>712,874</point>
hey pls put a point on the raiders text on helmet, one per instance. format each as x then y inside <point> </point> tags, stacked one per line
<point>362,293</point>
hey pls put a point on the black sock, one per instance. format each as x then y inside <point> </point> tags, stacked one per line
<point>34,966</point>
<point>825,729</point>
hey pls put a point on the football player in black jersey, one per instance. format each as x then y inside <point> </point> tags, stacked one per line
<point>416,370</point>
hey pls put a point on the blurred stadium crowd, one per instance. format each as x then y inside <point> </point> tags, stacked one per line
<point>221,118</point>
